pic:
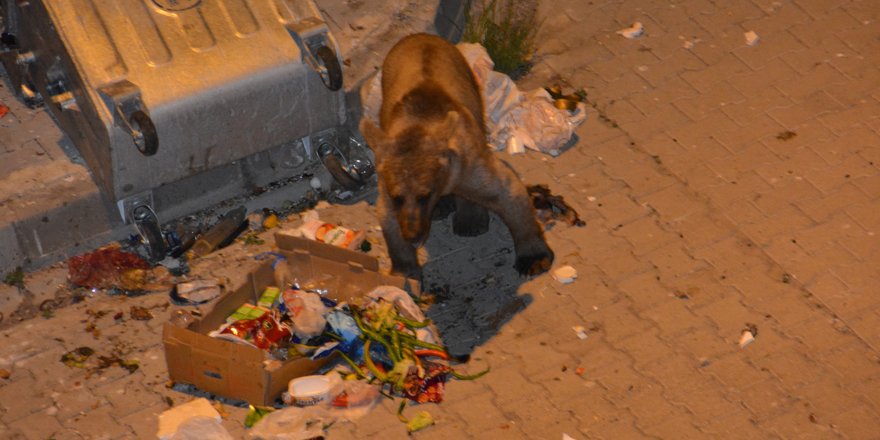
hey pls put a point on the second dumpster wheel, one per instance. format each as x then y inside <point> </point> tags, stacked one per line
<point>337,170</point>
<point>144,133</point>
<point>148,226</point>
<point>332,76</point>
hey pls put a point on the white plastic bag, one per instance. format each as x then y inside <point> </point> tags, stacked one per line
<point>292,423</point>
<point>538,125</point>
<point>517,120</point>
<point>201,428</point>
<point>307,312</point>
<point>397,296</point>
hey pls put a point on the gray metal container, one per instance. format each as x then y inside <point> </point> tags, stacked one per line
<point>155,91</point>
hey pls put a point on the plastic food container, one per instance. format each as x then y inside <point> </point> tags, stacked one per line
<point>309,390</point>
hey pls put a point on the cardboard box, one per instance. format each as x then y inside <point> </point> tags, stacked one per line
<point>239,371</point>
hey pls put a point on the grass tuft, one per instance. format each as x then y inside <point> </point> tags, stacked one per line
<point>507,29</point>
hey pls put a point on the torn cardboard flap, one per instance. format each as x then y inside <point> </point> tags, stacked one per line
<point>239,371</point>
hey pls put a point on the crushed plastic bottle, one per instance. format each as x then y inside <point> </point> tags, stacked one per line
<point>181,318</point>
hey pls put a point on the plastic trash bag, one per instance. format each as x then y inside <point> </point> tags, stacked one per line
<point>397,296</point>
<point>201,428</point>
<point>517,120</point>
<point>292,423</point>
<point>307,312</point>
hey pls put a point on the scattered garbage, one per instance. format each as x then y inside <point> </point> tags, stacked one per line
<point>196,292</point>
<point>751,38</point>
<point>255,414</point>
<point>381,342</point>
<point>636,30</point>
<point>421,420</point>
<point>82,357</point>
<point>3,110</point>
<point>201,428</point>
<point>580,331</point>
<point>15,278</point>
<point>181,318</point>
<point>77,358</point>
<point>229,226</point>
<point>786,135</point>
<point>315,229</point>
<point>291,423</point>
<point>565,274</point>
<point>566,102</point>
<point>109,268</point>
<point>5,374</point>
<point>309,390</point>
<point>550,207</point>
<point>339,340</point>
<point>748,335</point>
<point>515,120</point>
<point>173,419</point>
<point>270,219</point>
<point>139,313</point>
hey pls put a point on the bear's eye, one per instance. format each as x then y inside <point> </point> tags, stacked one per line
<point>397,201</point>
<point>423,200</point>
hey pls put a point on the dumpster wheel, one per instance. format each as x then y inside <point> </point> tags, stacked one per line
<point>148,226</point>
<point>331,73</point>
<point>144,133</point>
<point>340,175</point>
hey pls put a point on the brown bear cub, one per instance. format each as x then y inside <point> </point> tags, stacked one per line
<point>432,143</point>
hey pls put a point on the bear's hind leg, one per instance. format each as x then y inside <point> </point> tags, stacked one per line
<point>469,219</point>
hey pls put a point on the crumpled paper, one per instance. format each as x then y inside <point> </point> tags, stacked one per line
<point>515,120</point>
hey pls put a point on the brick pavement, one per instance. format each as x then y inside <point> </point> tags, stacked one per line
<point>723,185</point>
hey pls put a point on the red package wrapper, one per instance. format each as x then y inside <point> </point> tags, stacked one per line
<point>428,388</point>
<point>264,332</point>
<point>107,268</point>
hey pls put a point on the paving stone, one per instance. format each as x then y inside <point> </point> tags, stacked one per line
<point>21,398</point>
<point>75,401</point>
<point>677,427</point>
<point>825,403</point>
<point>488,417</point>
<point>99,423</point>
<point>145,423</point>
<point>801,422</point>
<point>37,426</point>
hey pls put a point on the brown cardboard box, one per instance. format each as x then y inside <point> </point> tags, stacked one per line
<point>239,371</point>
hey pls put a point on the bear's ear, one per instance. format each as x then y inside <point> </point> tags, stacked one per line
<point>375,137</point>
<point>453,131</point>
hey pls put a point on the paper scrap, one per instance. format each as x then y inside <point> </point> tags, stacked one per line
<point>565,274</point>
<point>751,38</point>
<point>634,31</point>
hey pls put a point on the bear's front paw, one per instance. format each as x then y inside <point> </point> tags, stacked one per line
<point>535,263</point>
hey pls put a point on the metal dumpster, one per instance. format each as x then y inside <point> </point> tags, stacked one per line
<point>154,92</point>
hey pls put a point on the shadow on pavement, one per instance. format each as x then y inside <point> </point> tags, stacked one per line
<point>474,283</point>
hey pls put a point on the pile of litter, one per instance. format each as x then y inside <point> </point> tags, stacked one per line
<point>386,345</point>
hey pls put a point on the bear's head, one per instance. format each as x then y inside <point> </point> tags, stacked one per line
<point>417,165</point>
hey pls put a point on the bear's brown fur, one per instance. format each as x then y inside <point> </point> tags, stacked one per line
<point>432,143</point>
